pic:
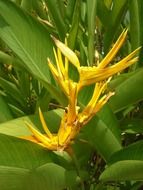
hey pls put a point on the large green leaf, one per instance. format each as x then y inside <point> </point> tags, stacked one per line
<point>109,118</point>
<point>17,127</point>
<point>101,137</point>
<point>126,164</point>
<point>132,152</point>
<point>124,170</point>
<point>27,160</point>
<point>46,177</point>
<point>22,161</point>
<point>29,40</point>
<point>26,37</point>
<point>30,161</point>
<point>128,92</point>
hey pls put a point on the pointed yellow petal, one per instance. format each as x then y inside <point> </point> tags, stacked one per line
<point>53,69</point>
<point>86,117</point>
<point>65,87</point>
<point>127,58</point>
<point>115,69</point>
<point>114,50</point>
<point>44,140</point>
<point>66,59</point>
<point>64,133</point>
<point>30,138</point>
<point>44,125</point>
<point>58,65</point>
<point>102,101</point>
<point>37,134</point>
<point>90,76</point>
<point>67,52</point>
<point>64,136</point>
<point>99,88</point>
<point>66,66</point>
<point>63,83</point>
<point>72,102</point>
<point>61,65</point>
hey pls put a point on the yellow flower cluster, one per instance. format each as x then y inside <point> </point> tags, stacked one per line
<point>74,119</point>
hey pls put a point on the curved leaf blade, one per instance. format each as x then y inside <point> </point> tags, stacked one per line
<point>126,164</point>
<point>22,161</point>
<point>17,127</point>
<point>128,92</point>
<point>27,38</point>
<point>101,137</point>
<point>124,170</point>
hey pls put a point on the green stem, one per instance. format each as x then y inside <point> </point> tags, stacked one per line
<point>78,170</point>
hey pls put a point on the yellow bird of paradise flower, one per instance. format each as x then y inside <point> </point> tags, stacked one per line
<point>73,119</point>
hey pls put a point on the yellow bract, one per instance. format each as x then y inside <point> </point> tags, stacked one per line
<point>74,118</point>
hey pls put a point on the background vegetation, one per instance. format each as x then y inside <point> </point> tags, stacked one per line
<point>108,153</point>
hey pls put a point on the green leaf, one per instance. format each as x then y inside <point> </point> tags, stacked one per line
<point>32,46</point>
<point>5,58</point>
<point>74,27</point>
<point>91,15</point>
<point>109,118</point>
<point>96,130</point>
<point>43,100</point>
<point>17,127</point>
<point>55,7</point>
<point>28,161</point>
<point>70,9</point>
<point>105,127</point>
<point>134,24</point>
<point>11,89</point>
<point>22,153</point>
<point>5,113</point>
<point>128,92</point>
<point>140,6</point>
<point>113,84</point>
<point>27,5</point>
<point>132,152</point>
<point>103,13</point>
<point>126,164</point>
<point>123,170</point>
<point>24,83</point>
<point>114,20</point>
<point>29,40</point>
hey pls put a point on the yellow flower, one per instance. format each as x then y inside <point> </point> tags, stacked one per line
<point>74,118</point>
<point>90,75</point>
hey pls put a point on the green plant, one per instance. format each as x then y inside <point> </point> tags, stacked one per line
<point>105,154</point>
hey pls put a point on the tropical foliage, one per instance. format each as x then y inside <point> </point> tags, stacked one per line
<point>52,54</point>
